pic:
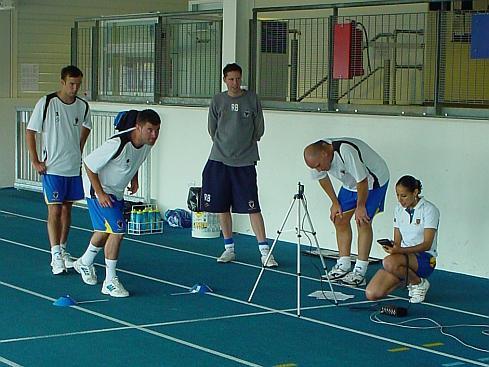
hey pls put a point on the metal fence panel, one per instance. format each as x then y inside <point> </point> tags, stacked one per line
<point>408,59</point>
<point>465,80</point>
<point>193,59</point>
<point>393,58</point>
<point>293,60</point>
<point>127,61</point>
<point>149,59</point>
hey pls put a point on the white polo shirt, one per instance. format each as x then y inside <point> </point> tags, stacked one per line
<point>115,173</point>
<point>61,131</point>
<point>348,167</point>
<point>426,215</point>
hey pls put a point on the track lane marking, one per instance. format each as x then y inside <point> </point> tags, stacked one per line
<point>142,329</point>
<point>237,262</point>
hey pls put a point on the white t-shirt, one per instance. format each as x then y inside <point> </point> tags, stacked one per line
<point>61,131</point>
<point>115,173</point>
<point>351,168</point>
<point>426,215</point>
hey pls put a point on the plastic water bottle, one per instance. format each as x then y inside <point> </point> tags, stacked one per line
<point>157,219</point>
<point>132,221</point>
<point>138,222</point>
<point>152,216</point>
<point>146,220</point>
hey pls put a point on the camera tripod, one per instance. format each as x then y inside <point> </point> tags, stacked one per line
<point>298,199</point>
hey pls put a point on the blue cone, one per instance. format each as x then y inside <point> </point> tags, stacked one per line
<point>64,301</point>
<point>200,288</point>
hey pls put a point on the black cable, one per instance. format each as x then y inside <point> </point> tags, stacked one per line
<point>370,307</point>
<point>366,45</point>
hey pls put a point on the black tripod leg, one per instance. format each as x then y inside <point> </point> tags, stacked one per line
<point>313,232</point>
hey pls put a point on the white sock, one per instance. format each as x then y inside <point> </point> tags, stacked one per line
<point>55,251</point>
<point>90,254</point>
<point>361,266</point>
<point>63,247</point>
<point>229,247</point>
<point>264,249</point>
<point>110,266</point>
<point>344,262</point>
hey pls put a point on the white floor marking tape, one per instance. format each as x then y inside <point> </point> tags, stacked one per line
<point>245,264</point>
<point>9,363</point>
<point>144,330</point>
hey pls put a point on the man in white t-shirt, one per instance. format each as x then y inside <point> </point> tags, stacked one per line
<point>364,176</point>
<point>109,170</point>
<point>64,122</point>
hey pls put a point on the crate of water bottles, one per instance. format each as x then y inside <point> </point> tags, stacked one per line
<point>145,219</point>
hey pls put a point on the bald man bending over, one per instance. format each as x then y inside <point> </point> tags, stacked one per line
<point>364,177</point>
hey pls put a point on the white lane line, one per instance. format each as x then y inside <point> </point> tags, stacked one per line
<point>167,323</point>
<point>244,264</point>
<point>151,325</point>
<point>9,363</point>
<point>142,329</point>
<point>93,301</point>
<point>335,326</point>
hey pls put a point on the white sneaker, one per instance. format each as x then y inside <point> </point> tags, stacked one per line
<point>87,272</point>
<point>353,278</point>
<point>419,291</point>
<point>114,288</point>
<point>336,273</point>
<point>67,260</point>
<point>410,290</point>
<point>226,257</point>
<point>57,265</point>
<point>271,263</point>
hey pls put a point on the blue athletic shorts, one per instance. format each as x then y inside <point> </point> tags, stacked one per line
<point>226,187</point>
<point>108,220</point>
<point>375,200</point>
<point>426,264</point>
<point>58,189</point>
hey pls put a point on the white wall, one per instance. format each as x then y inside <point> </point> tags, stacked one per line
<point>446,154</point>
<point>5,55</point>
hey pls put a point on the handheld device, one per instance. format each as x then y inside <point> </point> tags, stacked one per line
<point>385,242</point>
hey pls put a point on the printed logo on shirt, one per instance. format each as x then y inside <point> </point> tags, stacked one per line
<point>207,198</point>
<point>234,107</point>
<point>76,121</point>
<point>246,114</point>
<point>418,221</point>
<point>56,117</point>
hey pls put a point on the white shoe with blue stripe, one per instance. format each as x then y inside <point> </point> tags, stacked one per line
<point>114,288</point>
